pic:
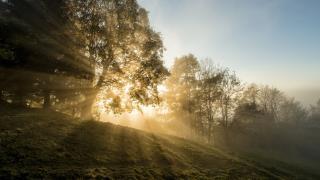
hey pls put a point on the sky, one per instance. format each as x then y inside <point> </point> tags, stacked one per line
<point>273,42</point>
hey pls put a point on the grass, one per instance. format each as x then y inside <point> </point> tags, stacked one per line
<point>49,145</point>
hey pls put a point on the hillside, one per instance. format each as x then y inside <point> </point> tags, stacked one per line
<point>46,144</point>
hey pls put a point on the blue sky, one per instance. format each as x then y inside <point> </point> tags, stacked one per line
<point>274,42</point>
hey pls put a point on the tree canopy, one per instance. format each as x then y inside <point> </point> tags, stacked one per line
<point>60,49</point>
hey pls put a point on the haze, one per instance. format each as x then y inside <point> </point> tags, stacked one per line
<point>159,89</point>
<point>273,42</point>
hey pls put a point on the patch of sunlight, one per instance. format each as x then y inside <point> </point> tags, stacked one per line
<point>149,118</point>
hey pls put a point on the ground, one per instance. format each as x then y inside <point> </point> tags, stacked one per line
<point>35,143</point>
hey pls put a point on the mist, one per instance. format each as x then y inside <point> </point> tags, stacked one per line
<point>159,89</point>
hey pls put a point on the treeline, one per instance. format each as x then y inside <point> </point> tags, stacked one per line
<point>208,102</point>
<point>60,54</point>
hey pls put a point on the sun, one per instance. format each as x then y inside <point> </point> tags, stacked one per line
<point>162,89</point>
<point>133,113</point>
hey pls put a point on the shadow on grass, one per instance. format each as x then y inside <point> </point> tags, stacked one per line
<point>93,144</point>
<point>109,144</point>
<point>40,144</point>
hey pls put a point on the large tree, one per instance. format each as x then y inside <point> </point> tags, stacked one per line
<point>37,54</point>
<point>122,48</point>
<point>77,48</point>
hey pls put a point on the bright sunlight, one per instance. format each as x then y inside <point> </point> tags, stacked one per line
<point>159,89</point>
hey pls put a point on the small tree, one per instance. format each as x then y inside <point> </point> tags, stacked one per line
<point>270,100</point>
<point>314,116</point>
<point>230,89</point>
<point>209,93</point>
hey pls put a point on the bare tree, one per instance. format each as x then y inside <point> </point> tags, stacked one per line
<point>209,93</point>
<point>270,99</point>
<point>230,93</point>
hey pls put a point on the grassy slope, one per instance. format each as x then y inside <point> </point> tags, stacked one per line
<point>44,144</point>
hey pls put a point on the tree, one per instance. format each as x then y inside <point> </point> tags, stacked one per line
<point>314,116</point>
<point>248,109</point>
<point>291,111</point>
<point>121,47</point>
<point>230,90</point>
<point>270,100</point>
<point>78,48</point>
<point>38,53</point>
<point>208,95</point>
<point>182,87</point>
<point>250,94</point>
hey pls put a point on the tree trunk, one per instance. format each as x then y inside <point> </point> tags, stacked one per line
<point>227,137</point>
<point>19,98</point>
<point>46,100</point>
<point>86,110</point>
<point>209,133</point>
<point>213,137</point>
<point>86,107</point>
<point>2,99</point>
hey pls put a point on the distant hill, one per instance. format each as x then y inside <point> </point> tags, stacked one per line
<point>44,144</point>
